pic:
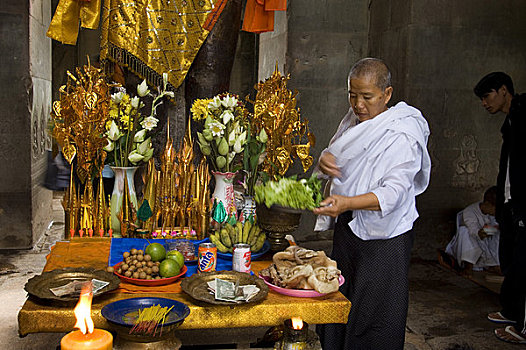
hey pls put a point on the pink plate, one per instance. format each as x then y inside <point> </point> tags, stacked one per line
<point>299,293</point>
<point>140,282</point>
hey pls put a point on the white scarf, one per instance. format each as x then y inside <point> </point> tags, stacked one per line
<point>367,139</point>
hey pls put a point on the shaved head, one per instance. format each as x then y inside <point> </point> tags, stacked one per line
<point>372,67</point>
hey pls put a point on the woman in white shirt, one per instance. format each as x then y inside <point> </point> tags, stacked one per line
<point>377,168</point>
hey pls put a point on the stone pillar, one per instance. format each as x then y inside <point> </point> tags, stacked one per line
<point>316,42</point>
<point>25,74</point>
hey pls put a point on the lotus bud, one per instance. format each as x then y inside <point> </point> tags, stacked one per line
<point>135,102</point>
<point>113,133</point>
<point>148,155</point>
<point>135,157</point>
<point>143,147</point>
<point>142,89</point>
<point>165,78</point>
<point>232,138</point>
<point>207,134</point>
<point>139,136</point>
<point>263,137</point>
<point>230,157</point>
<point>205,149</point>
<point>237,146</point>
<point>170,94</point>
<point>202,139</point>
<point>243,137</point>
<point>220,162</point>
<point>110,146</point>
<point>222,148</point>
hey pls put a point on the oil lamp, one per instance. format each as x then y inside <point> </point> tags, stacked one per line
<point>295,334</point>
<point>87,337</point>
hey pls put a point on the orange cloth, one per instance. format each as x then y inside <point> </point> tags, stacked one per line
<point>94,252</point>
<point>259,15</point>
<point>213,16</point>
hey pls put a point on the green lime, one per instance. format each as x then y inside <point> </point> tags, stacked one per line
<point>169,268</point>
<point>156,251</point>
<point>177,256</point>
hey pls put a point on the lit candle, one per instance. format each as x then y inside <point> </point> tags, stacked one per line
<point>87,337</point>
<point>98,340</point>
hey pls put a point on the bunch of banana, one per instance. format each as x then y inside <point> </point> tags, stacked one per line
<point>239,233</point>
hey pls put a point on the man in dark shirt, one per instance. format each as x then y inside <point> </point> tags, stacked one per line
<point>496,92</point>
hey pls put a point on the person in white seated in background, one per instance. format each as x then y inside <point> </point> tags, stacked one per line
<point>475,246</point>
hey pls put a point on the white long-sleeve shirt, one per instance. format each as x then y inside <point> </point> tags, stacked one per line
<point>386,155</point>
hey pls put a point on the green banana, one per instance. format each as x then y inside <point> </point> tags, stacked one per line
<point>232,233</point>
<point>246,231</point>
<point>225,238</point>
<point>220,246</point>
<point>259,243</point>
<point>254,234</point>
<point>239,232</point>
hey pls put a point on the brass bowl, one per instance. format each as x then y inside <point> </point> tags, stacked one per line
<point>39,286</point>
<point>197,286</point>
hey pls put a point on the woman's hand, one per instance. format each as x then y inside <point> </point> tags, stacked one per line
<point>327,164</point>
<point>333,206</point>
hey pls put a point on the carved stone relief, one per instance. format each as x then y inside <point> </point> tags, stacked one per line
<point>467,166</point>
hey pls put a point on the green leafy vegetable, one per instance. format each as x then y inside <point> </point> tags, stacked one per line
<point>290,192</point>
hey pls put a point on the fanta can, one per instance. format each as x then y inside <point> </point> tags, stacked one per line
<point>207,255</point>
<point>241,258</point>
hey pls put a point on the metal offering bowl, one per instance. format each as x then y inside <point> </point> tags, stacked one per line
<point>118,314</point>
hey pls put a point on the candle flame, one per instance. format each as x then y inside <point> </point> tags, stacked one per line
<point>297,323</point>
<point>83,310</point>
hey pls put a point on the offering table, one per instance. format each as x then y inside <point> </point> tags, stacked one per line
<point>38,316</point>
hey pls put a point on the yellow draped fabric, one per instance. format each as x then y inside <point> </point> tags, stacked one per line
<point>37,317</point>
<point>152,37</point>
<point>64,26</point>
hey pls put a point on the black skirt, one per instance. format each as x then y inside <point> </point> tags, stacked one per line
<point>376,283</point>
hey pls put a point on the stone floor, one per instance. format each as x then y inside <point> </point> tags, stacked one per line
<point>446,311</point>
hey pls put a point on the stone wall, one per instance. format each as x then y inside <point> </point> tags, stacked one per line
<point>438,51</point>
<point>25,74</point>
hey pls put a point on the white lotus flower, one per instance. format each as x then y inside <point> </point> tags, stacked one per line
<point>215,104</point>
<point>110,146</point>
<point>139,136</point>
<point>217,129</point>
<point>165,78</point>
<point>135,157</point>
<point>135,101</point>
<point>114,133</point>
<point>142,89</point>
<point>229,102</point>
<point>227,116</point>
<point>117,97</point>
<point>149,123</point>
<point>170,94</point>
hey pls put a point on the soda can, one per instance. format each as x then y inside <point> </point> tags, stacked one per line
<point>241,258</point>
<point>207,255</point>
